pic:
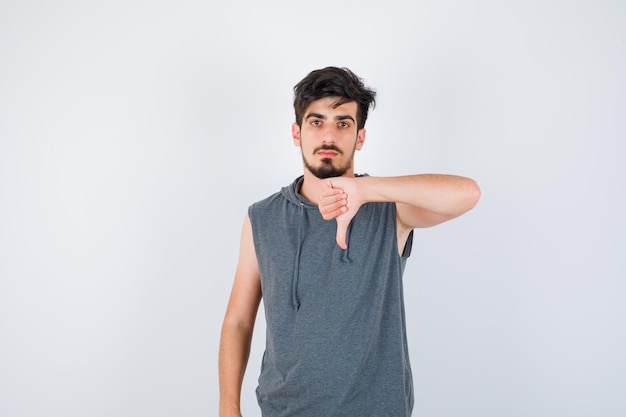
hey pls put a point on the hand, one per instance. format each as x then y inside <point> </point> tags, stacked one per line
<point>340,200</point>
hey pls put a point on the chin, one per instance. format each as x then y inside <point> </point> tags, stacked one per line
<point>327,171</point>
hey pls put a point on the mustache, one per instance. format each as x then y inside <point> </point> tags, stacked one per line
<point>326,147</point>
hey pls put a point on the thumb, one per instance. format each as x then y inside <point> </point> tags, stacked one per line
<point>342,228</point>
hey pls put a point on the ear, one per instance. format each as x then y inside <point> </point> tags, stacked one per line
<point>360,139</point>
<point>295,134</point>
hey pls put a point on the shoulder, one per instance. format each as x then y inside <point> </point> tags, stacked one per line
<point>267,201</point>
<point>285,194</point>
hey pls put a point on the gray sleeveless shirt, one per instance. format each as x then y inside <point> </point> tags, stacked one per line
<point>336,336</point>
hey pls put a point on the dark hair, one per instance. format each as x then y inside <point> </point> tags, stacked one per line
<point>333,82</point>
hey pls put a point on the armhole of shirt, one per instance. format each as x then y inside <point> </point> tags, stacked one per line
<point>408,245</point>
<point>406,252</point>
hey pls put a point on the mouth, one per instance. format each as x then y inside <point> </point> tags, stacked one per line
<point>327,154</point>
<point>327,151</point>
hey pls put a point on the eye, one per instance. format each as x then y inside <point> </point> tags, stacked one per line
<point>316,122</point>
<point>344,124</point>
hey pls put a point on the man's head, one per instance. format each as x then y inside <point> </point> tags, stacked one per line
<point>339,83</point>
<point>331,107</point>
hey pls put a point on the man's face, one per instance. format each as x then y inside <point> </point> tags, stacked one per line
<point>328,137</point>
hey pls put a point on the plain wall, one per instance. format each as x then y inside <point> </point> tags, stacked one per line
<point>134,135</point>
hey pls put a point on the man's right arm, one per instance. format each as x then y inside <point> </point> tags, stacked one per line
<point>238,325</point>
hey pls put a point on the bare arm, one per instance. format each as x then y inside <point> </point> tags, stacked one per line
<point>425,200</point>
<point>421,200</point>
<point>238,325</point>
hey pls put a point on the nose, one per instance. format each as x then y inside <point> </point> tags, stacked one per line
<point>328,136</point>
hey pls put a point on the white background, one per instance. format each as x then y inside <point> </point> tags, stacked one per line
<point>134,135</point>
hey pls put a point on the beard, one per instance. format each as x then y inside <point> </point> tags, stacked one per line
<point>327,169</point>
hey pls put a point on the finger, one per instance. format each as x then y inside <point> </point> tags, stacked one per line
<point>334,199</point>
<point>329,192</point>
<point>330,205</point>
<point>333,202</point>
<point>335,212</point>
<point>341,235</point>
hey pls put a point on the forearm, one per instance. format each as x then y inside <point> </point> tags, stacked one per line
<point>447,195</point>
<point>233,358</point>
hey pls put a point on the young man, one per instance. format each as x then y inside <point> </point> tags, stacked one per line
<point>332,290</point>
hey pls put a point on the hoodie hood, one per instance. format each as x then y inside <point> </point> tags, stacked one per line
<point>292,193</point>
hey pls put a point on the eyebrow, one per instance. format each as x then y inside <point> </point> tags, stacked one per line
<point>321,116</point>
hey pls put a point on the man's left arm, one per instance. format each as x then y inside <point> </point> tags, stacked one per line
<point>422,200</point>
